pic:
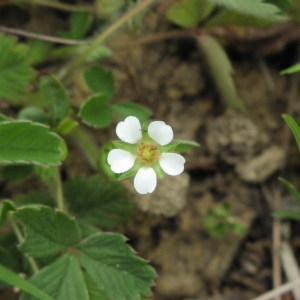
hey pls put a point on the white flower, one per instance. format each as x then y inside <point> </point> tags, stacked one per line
<point>147,154</point>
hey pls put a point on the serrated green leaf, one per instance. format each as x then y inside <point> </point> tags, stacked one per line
<point>16,172</point>
<point>55,98</point>
<point>97,202</point>
<point>294,128</point>
<point>105,256</point>
<point>125,109</point>
<point>256,8</point>
<point>15,71</point>
<point>48,231</point>
<point>291,189</point>
<point>221,71</point>
<point>188,13</point>
<point>96,111</point>
<point>5,207</point>
<point>15,280</point>
<point>100,80</point>
<point>28,142</point>
<point>293,69</point>
<point>94,292</point>
<point>63,279</point>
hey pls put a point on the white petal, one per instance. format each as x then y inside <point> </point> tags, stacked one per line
<point>172,163</point>
<point>145,180</point>
<point>160,132</point>
<point>129,130</point>
<point>120,160</point>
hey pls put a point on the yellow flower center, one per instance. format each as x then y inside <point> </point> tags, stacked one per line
<point>147,152</point>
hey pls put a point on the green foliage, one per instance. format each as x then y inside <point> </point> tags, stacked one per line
<point>15,280</point>
<point>188,13</point>
<point>293,69</point>
<point>16,172</point>
<point>294,128</point>
<point>15,71</point>
<point>108,8</point>
<point>97,202</point>
<point>35,114</point>
<point>26,142</point>
<point>5,207</point>
<point>219,222</point>
<point>55,99</point>
<point>39,51</point>
<point>48,232</point>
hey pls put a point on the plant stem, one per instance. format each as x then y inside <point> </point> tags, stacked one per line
<point>59,191</point>
<point>103,36</point>
<point>21,239</point>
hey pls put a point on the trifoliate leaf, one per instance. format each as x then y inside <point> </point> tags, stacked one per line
<point>27,142</point>
<point>188,13</point>
<point>15,71</point>
<point>125,109</point>
<point>48,231</point>
<point>55,98</point>
<point>62,280</point>
<point>112,265</point>
<point>256,8</point>
<point>100,80</point>
<point>15,280</point>
<point>97,202</point>
<point>96,111</point>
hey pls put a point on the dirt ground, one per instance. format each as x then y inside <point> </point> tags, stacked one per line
<point>239,160</point>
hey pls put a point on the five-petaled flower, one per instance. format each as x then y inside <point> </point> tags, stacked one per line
<point>145,153</point>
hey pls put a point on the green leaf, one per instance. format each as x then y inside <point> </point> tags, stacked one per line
<point>48,231</point>
<point>100,80</point>
<point>256,8</point>
<point>294,128</point>
<point>125,109</point>
<point>291,189</point>
<point>8,259</point>
<point>15,71</point>
<point>97,202</point>
<point>114,268</point>
<point>282,4</point>
<point>293,69</point>
<point>96,111</point>
<point>180,146</point>
<point>287,214</point>
<point>5,207</point>
<point>221,71</point>
<point>63,279</point>
<point>55,98</point>
<point>15,280</point>
<point>27,142</point>
<point>66,126</point>
<point>80,23</point>
<point>35,114</point>
<point>39,51</point>
<point>16,172</point>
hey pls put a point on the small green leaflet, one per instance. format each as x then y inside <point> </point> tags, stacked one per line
<point>96,111</point>
<point>48,231</point>
<point>100,80</point>
<point>102,267</point>
<point>294,128</point>
<point>28,142</point>
<point>293,69</point>
<point>15,280</point>
<point>15,71</point>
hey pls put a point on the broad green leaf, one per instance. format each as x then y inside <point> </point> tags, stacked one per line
<point>96,201</point>
<point>187,13</point>
<point>5,207</point>
<point>294,128</point>
<point>16,172</point>
<point>96,111</point>
<point>27,142</point>
<point>112,265</point>
<point>48,231</point>
<point>15,280</point>
<point>15,71</point>
<point>33,113</point>
<point>100,80</point>
<point>293,69</point>
<point>221,71</point>
<point>256,8</point>
<point>125,109</point>
<point>55,98</point>
<point>180,146</point>
<point>63,279</point>
<point>292,190</point>
<point>94,292</point>
<point>287,214</point>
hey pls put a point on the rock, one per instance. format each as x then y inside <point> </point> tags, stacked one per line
<point>258,169</point>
